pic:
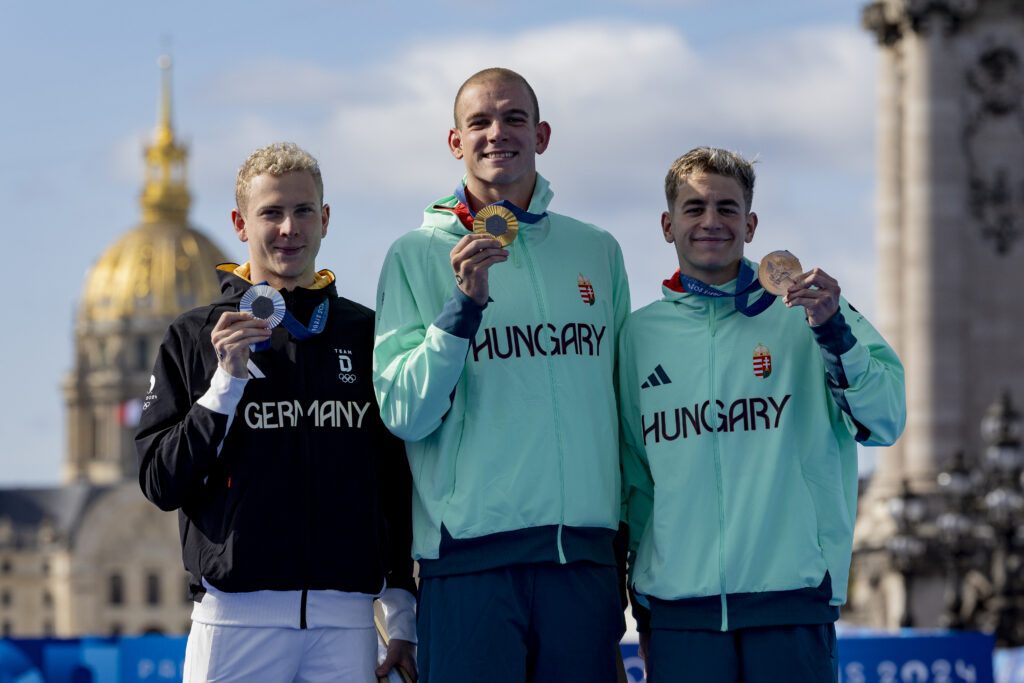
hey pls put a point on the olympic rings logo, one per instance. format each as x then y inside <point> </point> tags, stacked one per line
<point>347,378</point>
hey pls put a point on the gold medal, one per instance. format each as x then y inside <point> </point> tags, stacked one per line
<point>498,222</point>
<point>778,272</point>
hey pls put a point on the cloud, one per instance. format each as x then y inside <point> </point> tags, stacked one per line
<point>623,100</point>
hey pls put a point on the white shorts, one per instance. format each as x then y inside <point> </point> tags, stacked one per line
<point>280,655</point>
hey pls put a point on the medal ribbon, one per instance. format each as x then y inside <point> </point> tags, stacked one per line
<point>521,215</point>
<point>317,323</point>
<point>746,284</point>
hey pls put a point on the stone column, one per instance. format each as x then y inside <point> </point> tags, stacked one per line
<point>933,218</point>
<point>888,210</point>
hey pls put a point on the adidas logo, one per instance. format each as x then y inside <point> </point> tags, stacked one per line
<point>656,378</point>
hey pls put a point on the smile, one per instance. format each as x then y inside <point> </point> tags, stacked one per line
<point>499,155</point>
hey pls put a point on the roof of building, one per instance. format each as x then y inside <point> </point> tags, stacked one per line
<point>31,517</point>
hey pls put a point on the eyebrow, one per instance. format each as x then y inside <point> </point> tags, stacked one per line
<point>300,205</point>
<point>510,112</point>
<point>702,202</point>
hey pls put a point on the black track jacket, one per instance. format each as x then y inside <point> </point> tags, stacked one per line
<point>309,491</point>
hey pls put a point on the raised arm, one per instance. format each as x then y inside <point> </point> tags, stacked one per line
<point>179,438</point>
<point>420,347</point>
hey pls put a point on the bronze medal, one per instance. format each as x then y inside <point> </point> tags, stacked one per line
<point>498,222</point>
<point>778,272</point>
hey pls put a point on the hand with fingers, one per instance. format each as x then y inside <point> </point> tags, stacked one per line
<point>817,292</point>
<point>231,337</point>
<point>401,654</point>
<point>471,259</point>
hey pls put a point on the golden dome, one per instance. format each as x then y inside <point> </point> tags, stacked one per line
<point>163,266</point>
<point>156,270</point>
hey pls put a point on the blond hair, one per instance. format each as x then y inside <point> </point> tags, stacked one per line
<point>497,74</point>
<point>713,161</point>
<point>276,159</point>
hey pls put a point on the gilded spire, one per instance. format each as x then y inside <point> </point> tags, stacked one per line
<point>165,197</point>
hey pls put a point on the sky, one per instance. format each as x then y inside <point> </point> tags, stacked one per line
<point>367,87</point>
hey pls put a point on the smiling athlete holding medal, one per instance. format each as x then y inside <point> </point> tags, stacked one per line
<point>743,401</point>
<point>497,368</point>
<point>293,499</point>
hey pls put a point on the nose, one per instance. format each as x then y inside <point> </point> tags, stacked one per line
<point>287,226</point>
<point>496,131</point>
<point>709,220</point>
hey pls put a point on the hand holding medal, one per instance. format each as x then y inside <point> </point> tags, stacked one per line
<point>232,336</point>
<point>266,303</point>
<point>780,273</point>
<point>475,254</point>
<point>471,259</point>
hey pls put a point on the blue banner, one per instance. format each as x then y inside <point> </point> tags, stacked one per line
<point>916,657</point>
<point>140,659</point>
<point>909,657</point>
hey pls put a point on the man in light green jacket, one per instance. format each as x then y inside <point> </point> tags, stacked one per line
<point>741,416</point>
<point>496,365</point>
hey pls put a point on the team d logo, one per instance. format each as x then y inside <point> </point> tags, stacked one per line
<point>762,361</point>
<point>345,365</point>
<point>586,290</point>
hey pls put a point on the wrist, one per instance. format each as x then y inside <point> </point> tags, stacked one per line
<point>234,367</point>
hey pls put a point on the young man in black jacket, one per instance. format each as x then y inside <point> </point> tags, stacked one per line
<point>261,428</point>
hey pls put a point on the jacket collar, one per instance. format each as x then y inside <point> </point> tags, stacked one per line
<point>234,281</point>
<point>673,292</point>
<point>448,214</point>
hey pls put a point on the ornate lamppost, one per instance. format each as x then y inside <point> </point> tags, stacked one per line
<point>906,548</point>
<point>979,531</point>
<point>1004,503</point>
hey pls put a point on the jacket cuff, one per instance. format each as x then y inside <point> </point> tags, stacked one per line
<point>399,613</point>
<point>460,316</point>
<point>834,335</point>
<point>224,394</point>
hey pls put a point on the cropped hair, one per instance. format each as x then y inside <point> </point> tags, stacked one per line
<point>499,75</point>
<point>713,161</point>
<point>276,159</point>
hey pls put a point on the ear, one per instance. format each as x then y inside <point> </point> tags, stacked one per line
<point>238,220</point>
<point>751,227</point>
<point>543,136</point>
<point>325,218</point>
<point>455,143</point>
<point>666,227</point>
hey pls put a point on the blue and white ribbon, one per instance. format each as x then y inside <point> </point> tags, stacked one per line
<point>274,311</point>
<point>746,284</point>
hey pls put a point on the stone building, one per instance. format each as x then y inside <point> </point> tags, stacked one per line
<point>94,557</point>
<point>950,217</point>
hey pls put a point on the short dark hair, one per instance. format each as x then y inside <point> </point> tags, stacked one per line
<point>500,75</point>
<point>714,161</point>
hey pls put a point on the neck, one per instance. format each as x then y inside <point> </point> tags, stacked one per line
<point>282,283</point>
<point>480,194</point>
<point>718,276</point>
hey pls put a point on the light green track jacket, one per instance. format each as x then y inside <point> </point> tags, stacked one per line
<point>740,458</point>
<point>511,433</point>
